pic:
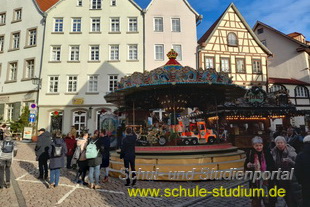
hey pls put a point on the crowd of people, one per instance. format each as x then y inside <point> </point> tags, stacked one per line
<point>287,150</point>
<point>88,155</point>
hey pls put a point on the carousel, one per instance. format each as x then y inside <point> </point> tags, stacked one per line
<point>182,140</point>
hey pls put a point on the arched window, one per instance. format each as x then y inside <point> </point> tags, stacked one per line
<point>232,39</point>
<point>275,88</point>
<point>301,91</point>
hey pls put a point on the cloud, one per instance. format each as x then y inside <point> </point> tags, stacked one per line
<point>287,15</point>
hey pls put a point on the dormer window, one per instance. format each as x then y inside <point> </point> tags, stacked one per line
<point>232,39</point>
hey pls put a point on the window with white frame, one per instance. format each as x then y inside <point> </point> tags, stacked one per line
<point>132,24</point>
<point>1,43</point>
<point>113,3</point>
<point>176,25</point>
<point>232,39</point>
<point>10,111</point>
<point>113,79</point>
<point>74,52</point>
<point>276,87</point>
<point>72,84</point>
<point>94,52</point>
<point>158,24</point>
<point>2,18</point>
<point>240,65</point>
<point>95,24</point>
<point>79,3</point>
<point>301,91</point>
<point>12,71</point>
<point>225,67</point>
<point>114,52</point>
<point>76,24</point>
<point>17,15</point>
<point>133,52</point>
<point>32,37</point>
<point>55,53</point>
<point>209,62</point>
<point>256,66</point>
<point>178,49</point>
<point>29,68</point>
<point>159,52</point>
<point>58,24</point>
<point>93,83</point>
<point>95,4</point>
<point>15,40</point>
<point>53,84</point>
<point>115,24</point>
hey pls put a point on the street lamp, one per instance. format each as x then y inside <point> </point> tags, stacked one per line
<point>36,81</point>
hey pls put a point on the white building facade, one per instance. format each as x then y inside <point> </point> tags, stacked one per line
<point>89,46</point>
<point>170,24</point>
<point>289,68</point>
<point>21,37</point>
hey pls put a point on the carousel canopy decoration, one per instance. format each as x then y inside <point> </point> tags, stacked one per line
<point>173,73</point>
<point>174,87</point>
<point>257,102</point>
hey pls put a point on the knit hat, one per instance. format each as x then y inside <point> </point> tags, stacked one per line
<point>307,139</point>
<point>257,140</point>
<point>280,138</point>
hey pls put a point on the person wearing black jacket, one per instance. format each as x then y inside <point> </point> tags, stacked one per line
<point>128,153</point>
<point>302,171</point>
<point>41,150</point>
<point>105,153</point>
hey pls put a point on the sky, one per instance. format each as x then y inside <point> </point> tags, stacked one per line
<point>286,16</point>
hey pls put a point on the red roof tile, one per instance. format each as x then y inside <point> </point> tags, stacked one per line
<point>46,4</point>
<point>287,81</point>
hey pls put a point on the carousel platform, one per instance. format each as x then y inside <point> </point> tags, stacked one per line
<point>193,149</point>
<point>181,163</point>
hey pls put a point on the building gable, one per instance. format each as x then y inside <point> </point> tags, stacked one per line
<point>216,38</point>
<point>153,2</point>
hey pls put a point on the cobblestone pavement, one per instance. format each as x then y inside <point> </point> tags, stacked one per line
<point>29,191</point>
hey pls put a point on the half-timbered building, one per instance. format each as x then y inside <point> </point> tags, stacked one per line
<point>230,46</point>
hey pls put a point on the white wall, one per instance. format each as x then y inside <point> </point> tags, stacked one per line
<point>187,37</point>
<point>286,61</point>
<point>63,100</point>
<point>20,90</point>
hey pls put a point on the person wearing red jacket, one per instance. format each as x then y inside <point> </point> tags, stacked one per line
<point>71,144</point>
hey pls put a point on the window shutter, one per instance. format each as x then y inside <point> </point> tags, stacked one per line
<point>1,111</point>
<point>16,110</point>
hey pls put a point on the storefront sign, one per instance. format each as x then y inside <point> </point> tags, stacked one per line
<point>78,101</point>
<point>27,133</point>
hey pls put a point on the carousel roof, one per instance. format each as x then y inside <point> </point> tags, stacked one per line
<point>197,87</point>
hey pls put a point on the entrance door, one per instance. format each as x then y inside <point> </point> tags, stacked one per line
<point>80,121</point>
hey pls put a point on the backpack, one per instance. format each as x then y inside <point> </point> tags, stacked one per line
<point>56,150</point>
<point>7,146</point>
<point>91,150</point>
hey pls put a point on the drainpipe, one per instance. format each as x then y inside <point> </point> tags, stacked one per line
<point>143,17</point>
<point>41,65</point>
